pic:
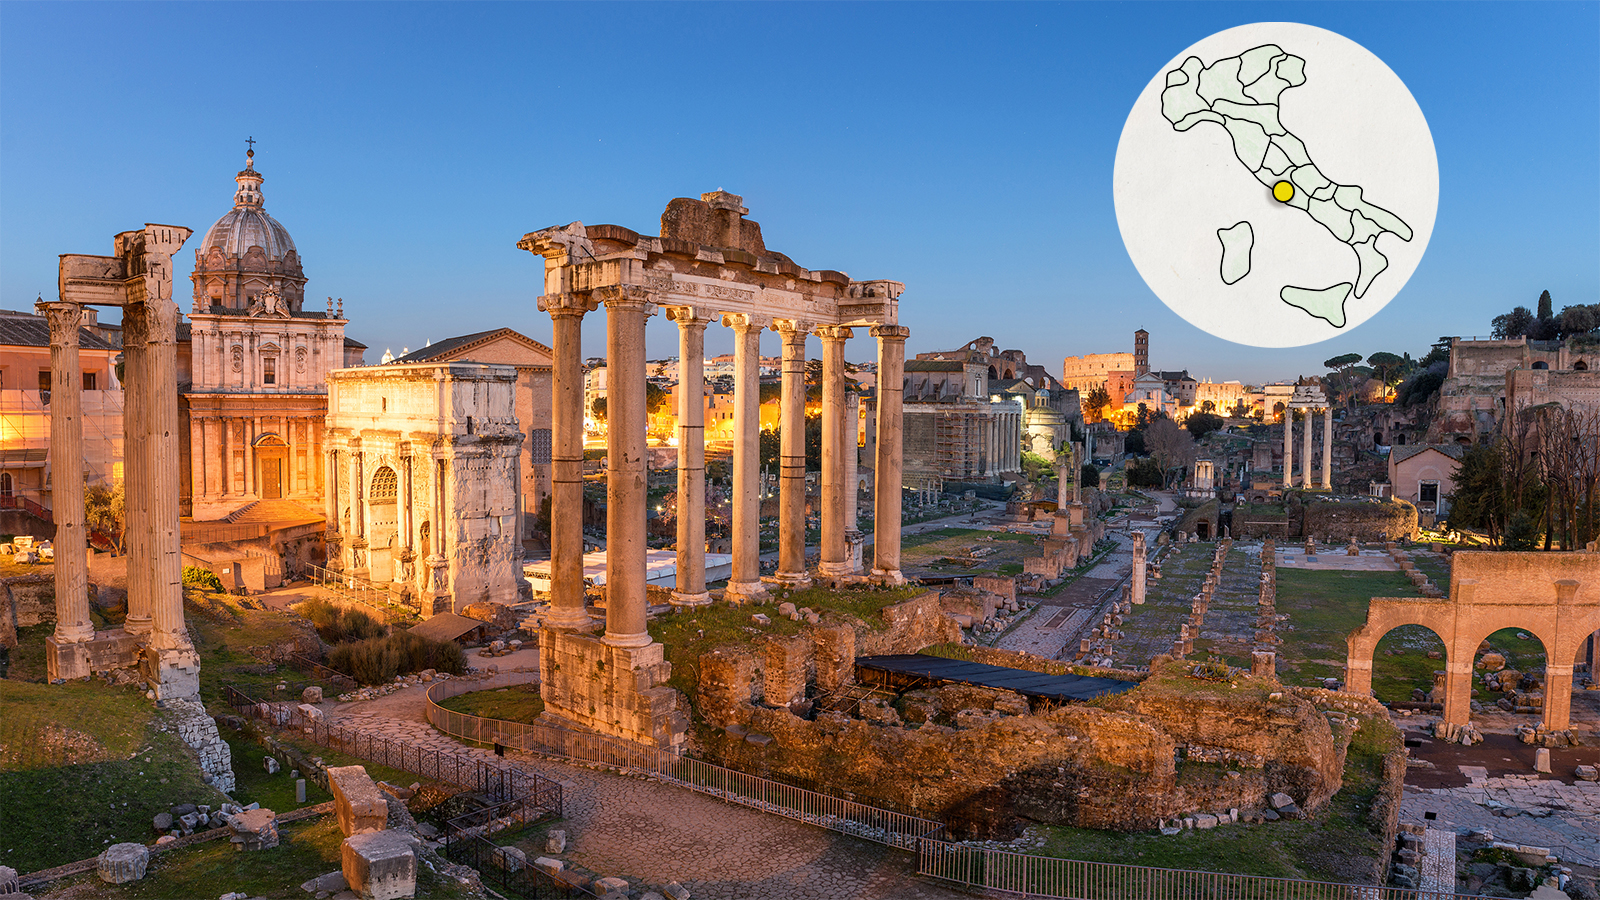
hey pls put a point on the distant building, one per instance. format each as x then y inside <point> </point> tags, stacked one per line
<point>532,361</point>
<point>954,427</point>
<point>1424,474</point>
<point>251,367</point>
<point>1488,377</point>
<point>424,481</point>
<point>25,474</point>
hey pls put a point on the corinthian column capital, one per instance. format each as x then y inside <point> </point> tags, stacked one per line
<point>625,295</point>
<point>834,332</point>
<point>65,318</point>
<point>890,332</point>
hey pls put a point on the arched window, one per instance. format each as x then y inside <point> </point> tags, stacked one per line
<point>5,484</point>
<point>1580,366</point>
<point>1541,364</point>
<point>385,486</point>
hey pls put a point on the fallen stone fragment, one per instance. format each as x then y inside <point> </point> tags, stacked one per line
<point>121,863</point>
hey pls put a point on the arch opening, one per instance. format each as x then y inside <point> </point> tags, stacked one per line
<point>1508,671</point>
<point>1404,669</point>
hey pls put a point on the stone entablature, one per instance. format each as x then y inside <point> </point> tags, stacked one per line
<point>423,476</point>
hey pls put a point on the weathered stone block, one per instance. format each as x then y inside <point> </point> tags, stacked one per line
<point>357,802</point>
<point>380,865</point>
<point>254,829</point>
<point>120,863</point>
<point>555,841</point>
<point>312,694</point>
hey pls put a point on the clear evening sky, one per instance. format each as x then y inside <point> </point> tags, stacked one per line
<point>965,149</point>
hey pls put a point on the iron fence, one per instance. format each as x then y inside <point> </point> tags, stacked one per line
<point>882,826</point>
<point>307,666</point>
<point>1045,876</point>
<point>508,873</point>
<point>382,598</point>
<point>498,781</point>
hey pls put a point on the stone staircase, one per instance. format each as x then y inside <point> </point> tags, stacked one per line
<point>270,512</point>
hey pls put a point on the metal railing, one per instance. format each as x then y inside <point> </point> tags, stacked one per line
<point>823,810</point>
<point>27,506</point>
<point>496,780</point>
<point>307,666</point>
<point>1047,876</point>
<point>519,878</point>
<point>382,598</point>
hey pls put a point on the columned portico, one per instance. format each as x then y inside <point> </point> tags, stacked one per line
<point>708,264</point>
<point>792,455</point>
<point>691,579</point>
<point>74,629</point>
<point>1305,464</point>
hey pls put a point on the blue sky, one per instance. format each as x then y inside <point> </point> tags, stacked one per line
<point>965,149</point>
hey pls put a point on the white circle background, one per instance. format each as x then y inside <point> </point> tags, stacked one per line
<point>1173,190</point>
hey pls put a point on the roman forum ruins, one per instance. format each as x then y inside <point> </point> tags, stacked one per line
<point>1308,398</point>
<point>708,264</point>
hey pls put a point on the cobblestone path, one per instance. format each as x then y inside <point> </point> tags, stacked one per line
<point>1545,813</point>
<point>654,833</point>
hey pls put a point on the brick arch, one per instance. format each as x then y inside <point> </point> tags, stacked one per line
<point>1554,596</point>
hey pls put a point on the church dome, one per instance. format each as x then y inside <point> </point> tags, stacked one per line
<point>247,252</point>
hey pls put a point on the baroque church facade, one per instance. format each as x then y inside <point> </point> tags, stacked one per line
<point>253,363</point>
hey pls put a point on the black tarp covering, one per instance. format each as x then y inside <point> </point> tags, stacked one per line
<point>1031,684</point>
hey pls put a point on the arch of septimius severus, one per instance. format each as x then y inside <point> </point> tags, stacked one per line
<point>708,265</point>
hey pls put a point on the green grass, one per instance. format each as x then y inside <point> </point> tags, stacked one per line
<point>1338,845</point>
<point>54,816</point>
<point>26,662</point>
<point>305,850</point>
<point>689,634</point>
<point>42,722</point>
<point>520,703</point>
<point>1324,606</point>
<point>1394,677</point>
<point>274,792</point>
<point>331,757</point>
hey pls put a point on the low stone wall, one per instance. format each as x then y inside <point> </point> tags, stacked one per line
<point>1370,522</point>
<point>30,599</point>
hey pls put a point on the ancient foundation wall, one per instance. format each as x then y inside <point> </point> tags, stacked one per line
<point>614,690</point>
<point>1370,522</point>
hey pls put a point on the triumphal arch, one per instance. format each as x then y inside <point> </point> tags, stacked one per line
<point>1552,596</point>
<point>709,264</point>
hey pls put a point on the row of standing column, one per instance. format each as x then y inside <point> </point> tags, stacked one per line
<point>626,312</point>
<point>1326,481</point>
<point>150,476</point>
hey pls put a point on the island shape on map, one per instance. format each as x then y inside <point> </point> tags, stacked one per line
<point>1240,93</point>
<point>1237,240</point>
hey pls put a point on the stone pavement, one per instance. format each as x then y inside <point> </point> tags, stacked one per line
<point>1057,622</point>
<point>1334,557</point>
<point>1544,813</point>
<point>654,833</point>
<point>1438,863</point>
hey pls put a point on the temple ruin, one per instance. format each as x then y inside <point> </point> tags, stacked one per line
<point>709,263</point>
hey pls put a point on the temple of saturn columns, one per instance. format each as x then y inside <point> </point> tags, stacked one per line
<point>138,279</point>
<point>709,264</point>
<point>1308,398</point>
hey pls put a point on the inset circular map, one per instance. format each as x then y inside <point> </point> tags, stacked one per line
<point>1276,184</point>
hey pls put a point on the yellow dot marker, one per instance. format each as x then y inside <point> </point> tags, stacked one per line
<point>1283,192</point>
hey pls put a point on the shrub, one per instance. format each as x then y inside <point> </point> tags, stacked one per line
<point>202,578</point>
<point>341,624</point>
<point>378,660</point>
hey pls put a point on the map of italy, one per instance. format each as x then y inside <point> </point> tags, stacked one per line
<point>1240,93</point>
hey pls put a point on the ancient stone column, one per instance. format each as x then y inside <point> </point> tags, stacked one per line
<point>1137,579</point>
<point>65,660</point>
<point>852,479</point>
<point>838,443</point>
<point>1557,697</point>
<point>745,583</point>
<point>691,578</point>
<point>1305,465</point>
<point>1327,448</point>
<point>626,491</point>
<point>136,466</point>
<point>792,455</point>
<point>1288,448</point>
<point>566,466</point>
<point>160,417</point>
<point>891,392</point>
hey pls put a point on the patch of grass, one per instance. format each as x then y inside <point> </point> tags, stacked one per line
<point>378,660</point>
<point>254,785</point>
<point>1395,677</point>
<point>519,703</point>
<point>332,757</point>
<point>1324,606</point>
<point>47,725</point>
<point>26,661</point>
<point>54,816</point>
